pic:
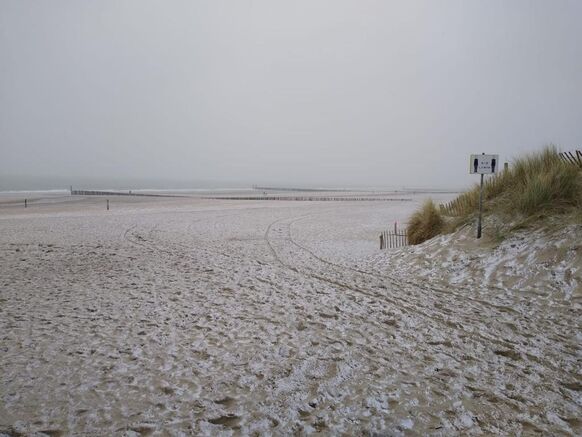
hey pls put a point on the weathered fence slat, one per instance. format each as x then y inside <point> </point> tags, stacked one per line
<point>393,239</point>
<point>573,157</point>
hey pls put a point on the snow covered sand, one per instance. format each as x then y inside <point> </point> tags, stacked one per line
<point>180,316</point>
<point>544,263</point>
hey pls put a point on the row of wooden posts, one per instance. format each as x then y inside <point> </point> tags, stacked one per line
<point>118,193</point>
<point>391,239</point>
<point>312,198</point>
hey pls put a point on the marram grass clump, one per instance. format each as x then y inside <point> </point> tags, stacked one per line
<point>556,188</point>
<point>425,223</point>
<point>536,185</point>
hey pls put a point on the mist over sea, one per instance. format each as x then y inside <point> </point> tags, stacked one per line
<point>46,183</point>
<point>13,183</point>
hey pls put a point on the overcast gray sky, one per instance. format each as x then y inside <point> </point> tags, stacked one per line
<point>336,92</point>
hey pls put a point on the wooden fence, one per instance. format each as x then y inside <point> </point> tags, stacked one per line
<point>456,207</point>
<point>393,238</point>
<point>574,158</point>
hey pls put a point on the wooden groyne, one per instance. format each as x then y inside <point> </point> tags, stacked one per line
<point>299,190</point>
<point>118,193</point>
<point>312,198</point>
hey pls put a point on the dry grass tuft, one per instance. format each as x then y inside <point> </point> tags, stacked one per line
<point>425,223</point>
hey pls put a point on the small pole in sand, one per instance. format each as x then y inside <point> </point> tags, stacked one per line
<point>25,203</point>
<point>395,227</point>
<point>107,204</point>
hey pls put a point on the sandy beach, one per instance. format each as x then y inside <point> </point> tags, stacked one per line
<point>211,317</point>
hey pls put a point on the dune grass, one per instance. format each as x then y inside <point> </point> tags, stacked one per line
<point>538,185</point>
<point>425,223</point>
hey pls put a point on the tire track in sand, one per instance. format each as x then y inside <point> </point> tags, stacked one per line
<point>432,313</point>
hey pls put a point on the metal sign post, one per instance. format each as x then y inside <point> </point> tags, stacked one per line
<point>480,208</point>
<point>482,164</point>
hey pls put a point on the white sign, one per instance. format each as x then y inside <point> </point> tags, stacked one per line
<point>484,164</point>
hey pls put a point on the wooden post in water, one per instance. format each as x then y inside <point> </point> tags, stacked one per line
<point>107,204</point>
<point>25,203</point>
